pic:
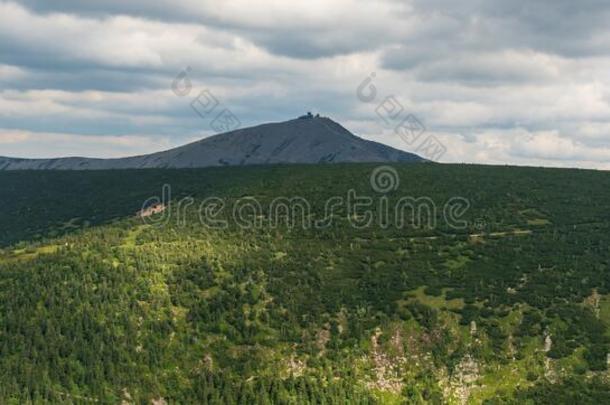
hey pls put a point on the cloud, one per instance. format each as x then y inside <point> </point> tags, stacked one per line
<point>499,82</point>
<point>35,144</point>
<point>485,69</point>
<point>301,29</point>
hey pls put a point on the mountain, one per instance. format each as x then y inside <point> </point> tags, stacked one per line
<point>303,140</point>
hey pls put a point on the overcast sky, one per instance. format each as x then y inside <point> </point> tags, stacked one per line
<point>496,81</point>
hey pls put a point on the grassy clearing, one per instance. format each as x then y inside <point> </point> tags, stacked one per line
<point>30,253</point>
<point>439,302</point>
<point>131,239</point>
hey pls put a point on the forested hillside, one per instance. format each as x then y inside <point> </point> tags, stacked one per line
<point>508,304</point>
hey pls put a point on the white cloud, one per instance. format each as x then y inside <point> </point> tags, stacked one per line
<point>18,143</point>
<point>498,82</point>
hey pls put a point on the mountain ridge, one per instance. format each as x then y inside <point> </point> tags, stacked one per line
<point>302,140</point>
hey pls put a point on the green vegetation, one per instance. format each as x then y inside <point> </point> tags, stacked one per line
<point>97,306</point>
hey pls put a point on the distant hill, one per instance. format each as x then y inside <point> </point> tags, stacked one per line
<point>303,140</point>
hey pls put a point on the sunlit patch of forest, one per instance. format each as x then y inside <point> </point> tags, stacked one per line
<point>98,306</point>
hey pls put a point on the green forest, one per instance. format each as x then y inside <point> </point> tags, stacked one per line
<point>98,305</point>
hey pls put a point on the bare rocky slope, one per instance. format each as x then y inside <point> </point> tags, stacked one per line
<point>303,140</point>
